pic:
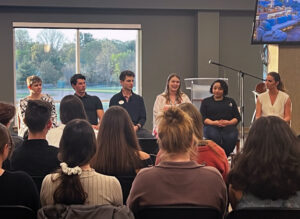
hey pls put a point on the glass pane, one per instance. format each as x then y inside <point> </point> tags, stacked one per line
<point>103,55</point>
<point>49,54</point>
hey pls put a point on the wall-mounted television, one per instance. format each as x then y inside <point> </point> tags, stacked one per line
<point>276,22</point>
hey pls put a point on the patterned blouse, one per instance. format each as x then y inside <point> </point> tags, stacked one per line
<point>22,108</point>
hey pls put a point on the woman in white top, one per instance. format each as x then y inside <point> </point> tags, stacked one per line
<point>34,84</point>
<point>274,102</point>
<point>172,96</point>
<point>76,182</point>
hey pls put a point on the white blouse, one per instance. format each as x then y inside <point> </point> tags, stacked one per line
<point>160,103</point>
<point>277,109</point>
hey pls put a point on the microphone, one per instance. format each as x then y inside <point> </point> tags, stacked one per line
<point>213,63</point>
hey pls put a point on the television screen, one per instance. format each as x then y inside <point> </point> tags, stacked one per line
<point>276,22</point>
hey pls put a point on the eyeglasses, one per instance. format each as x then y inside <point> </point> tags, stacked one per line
<point>269,81</point>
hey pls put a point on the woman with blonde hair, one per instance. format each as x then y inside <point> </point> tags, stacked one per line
<point>177,179</point>
<point>208,152</point>
<point>34,84</point>
<point>172,96</point>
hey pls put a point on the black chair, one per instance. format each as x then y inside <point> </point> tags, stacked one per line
<point>16,212</point>
<point>149,145</point>
<point>264,213</point>
<point>38,182</point>
<point>126,183</point>
<point>178,212</point>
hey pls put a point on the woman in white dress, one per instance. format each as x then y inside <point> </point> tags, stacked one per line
<point>34,84</point>
<point>172,96</point>
<point>274,102</point>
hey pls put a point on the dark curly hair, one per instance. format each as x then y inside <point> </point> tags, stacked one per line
<point>223,85</point>
<point>269,165</point>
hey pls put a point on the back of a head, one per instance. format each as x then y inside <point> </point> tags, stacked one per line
<point>71,107</point>
<point>175,131</point>
<point>268,166</point>
<point>196,117</point>
<point>37,115</point>
<point>77,147</point>
<point>7,112</point>
<point>126,73</point>
<point>117,142</point>
<point>4,137</point>
<point>78,143</point>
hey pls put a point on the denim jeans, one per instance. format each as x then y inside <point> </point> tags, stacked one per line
<point>226,136</point>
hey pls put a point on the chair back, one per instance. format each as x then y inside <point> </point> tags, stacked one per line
<point>149,145</point>
<point>126,183</point>
<point>264,213</point>
<point>16,211</point>
<point>38,182</point>
<point>84,211</point>
<point>178,212</point>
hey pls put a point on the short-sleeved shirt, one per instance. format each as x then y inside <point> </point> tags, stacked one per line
<point>22,108</point>
<point>275,109</point>
<point>91,105</point>
<point>135,107</point>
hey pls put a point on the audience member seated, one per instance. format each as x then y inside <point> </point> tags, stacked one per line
<point>177,180</point>
<point>35,156</point>
<point>71,107</point>
<point>118,153</point>
<point>208,152</point>
<point>16,188</point>
<point>76,182</point>
<point>172,96</point>
<point>220,117</point>
<point>7,113</point>
<point>34,84</point>
<point>267,173</point>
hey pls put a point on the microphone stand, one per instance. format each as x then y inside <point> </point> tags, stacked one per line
<point>241,81</point>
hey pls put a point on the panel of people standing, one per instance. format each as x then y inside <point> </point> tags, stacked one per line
<point>82,160</point>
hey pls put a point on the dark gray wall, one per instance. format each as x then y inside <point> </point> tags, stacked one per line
<point>138,4</point>
<point>179,41</point>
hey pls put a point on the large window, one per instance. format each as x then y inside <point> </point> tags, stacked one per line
<point>57,51</point>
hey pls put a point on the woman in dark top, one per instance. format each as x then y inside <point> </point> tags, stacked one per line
<point>16,188</point>
<point>118,152</point>
<point>220,117</point>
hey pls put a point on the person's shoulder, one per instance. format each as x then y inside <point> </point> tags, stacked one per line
<point>210,171</point>
<point>52,148</point>
<point>105,177</point>
<point>20,176</point>
<point>116,96</point>
<point>137,95</point>
<point>284,94</point>
<point>226,98</point>
<point>47,98</point>
<point>207,99</point>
